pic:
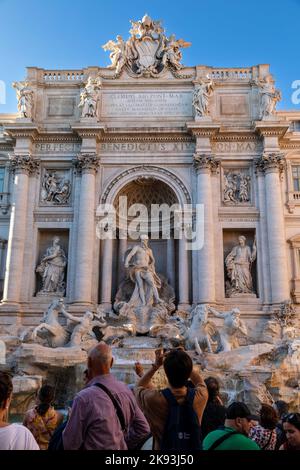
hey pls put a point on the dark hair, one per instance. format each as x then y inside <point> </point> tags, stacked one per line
<point>46,396</point>
<point>213,388</point>
<point>268,417</point>
<point>178,367</point>
<point>282,407</point>
<point>6,388</point>
<point>292,418</point>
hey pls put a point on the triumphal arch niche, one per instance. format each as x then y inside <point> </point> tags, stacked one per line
<point>147,130</point>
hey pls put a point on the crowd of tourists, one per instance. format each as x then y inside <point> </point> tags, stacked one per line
<point>107,414</point>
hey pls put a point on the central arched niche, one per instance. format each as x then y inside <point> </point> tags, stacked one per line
<point>146,190</point>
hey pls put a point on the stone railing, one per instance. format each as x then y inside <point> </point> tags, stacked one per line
<point>231,74</point>
<point>296,196</point>
<point>63,76</point>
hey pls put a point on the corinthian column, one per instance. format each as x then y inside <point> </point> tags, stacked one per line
<point>204,165</point>
<point>22,166</point>
<point>272,164</point>
<point>88,165</point>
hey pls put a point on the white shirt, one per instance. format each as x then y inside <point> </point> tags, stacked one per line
<point>17,437</point>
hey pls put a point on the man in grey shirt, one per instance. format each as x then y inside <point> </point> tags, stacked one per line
<point>93,422</point>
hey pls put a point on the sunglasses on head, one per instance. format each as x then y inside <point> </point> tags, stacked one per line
<point>292,418</point>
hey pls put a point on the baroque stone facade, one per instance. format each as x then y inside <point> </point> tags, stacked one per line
<point>147,124</point>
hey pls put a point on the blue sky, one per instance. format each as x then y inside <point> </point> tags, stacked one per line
<point>69,34</point>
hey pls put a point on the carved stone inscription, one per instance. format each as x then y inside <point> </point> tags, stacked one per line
<point>161,147</point>
<point>147,104</point>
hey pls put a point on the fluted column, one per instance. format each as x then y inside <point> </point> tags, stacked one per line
<point>272,164</point>
<point>183,273</point>
<point>106,272</point>
<point>204,164</point>
<point>88,165</point>
<point>171,261</point>
<point>22,166</point>
<point>122,251</point>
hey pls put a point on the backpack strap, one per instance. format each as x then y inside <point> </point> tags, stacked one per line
<point>268,441</point>
<point>116,405</point>
<point>172,400</point>
<point>222,439</point>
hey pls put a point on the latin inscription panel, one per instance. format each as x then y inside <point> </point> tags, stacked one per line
<point>147,105</point>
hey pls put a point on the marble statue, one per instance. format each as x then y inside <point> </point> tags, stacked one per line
<point>55,190</point>
<point>233,325</point>
<point>238,265</point>
<point>89,98</point>
<point>50,328</point>
<point>171,53</point>
<point>82,329</point>
<point>201,331</point>
<point>52,269</point>
<point>141,264</point>
<point>203,91</point>
<point>118,53</point>
<point>147,52</point>
<point>269,96</point>
<point>25,99</point>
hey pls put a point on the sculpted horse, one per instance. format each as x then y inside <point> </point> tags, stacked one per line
<point>201,332</point>
<point>50,328</point>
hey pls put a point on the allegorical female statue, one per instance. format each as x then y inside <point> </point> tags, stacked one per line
<point>238,264</point>
<point>52,269</point>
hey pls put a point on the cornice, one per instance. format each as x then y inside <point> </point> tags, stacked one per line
<point>95,131</point>
<point>271,128</point>
<point>198,129</point>
<point>22,130</point>
<point>147,138</point>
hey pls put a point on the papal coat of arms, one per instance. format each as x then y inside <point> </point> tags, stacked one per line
<point>148,51</point>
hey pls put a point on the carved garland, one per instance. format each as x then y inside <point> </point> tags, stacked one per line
<point>147,169</point>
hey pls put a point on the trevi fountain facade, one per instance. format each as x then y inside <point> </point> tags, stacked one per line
<point>84,256</point>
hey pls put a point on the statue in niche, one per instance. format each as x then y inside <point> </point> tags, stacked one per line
<point>232,327</point>
<point>119,52</point>
<point>203,91</point>
<point>141,264</point>
<point>25,99</point>
<point>52,269</point>
<point>89,98</point>
<point>238,264</point>
<point>54,189</point>
<point>269,96</point>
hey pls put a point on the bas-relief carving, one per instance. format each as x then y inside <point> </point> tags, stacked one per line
<point>52,270</point>
<point>147,52</point>
<point>236,187</point>
<point>56,188</point>
<point>238,265</point>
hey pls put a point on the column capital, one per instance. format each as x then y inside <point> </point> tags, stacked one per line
<point>24,163</point>
<point>270,162</point>
<point>205,162</point>
<point>87,162</point>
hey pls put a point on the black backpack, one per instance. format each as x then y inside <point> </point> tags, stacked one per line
<point>182,431</point>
